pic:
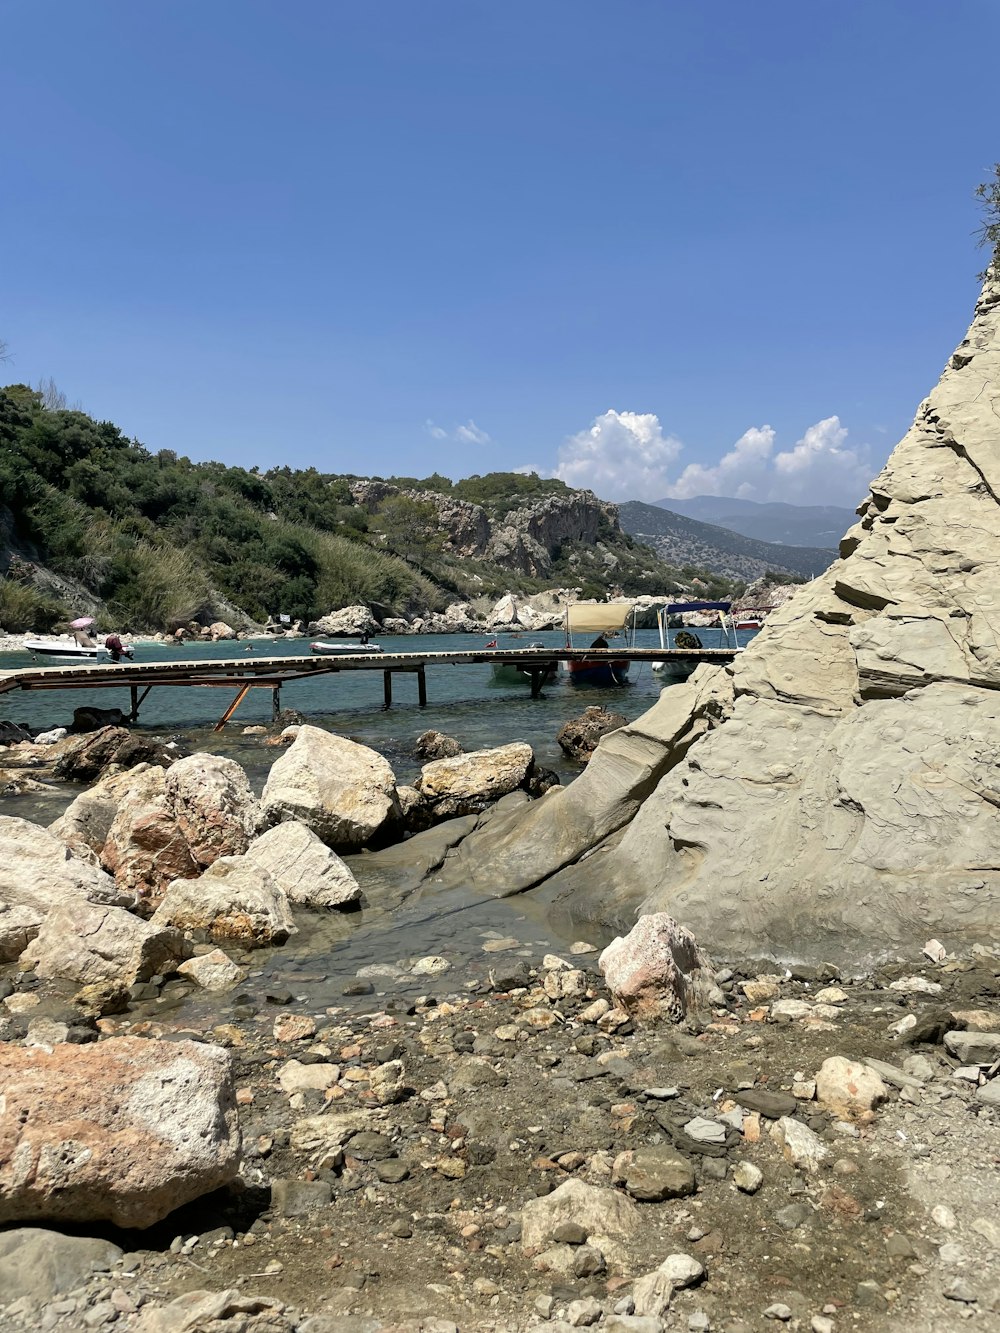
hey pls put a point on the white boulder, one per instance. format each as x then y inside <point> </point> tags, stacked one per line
<point>309,872</point>
<point>233,900</point>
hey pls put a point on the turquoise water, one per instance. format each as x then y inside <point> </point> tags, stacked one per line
<point>463,701</point>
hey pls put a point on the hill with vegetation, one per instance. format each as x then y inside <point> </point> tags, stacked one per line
<point>93,521</point>
<point>686,541</point>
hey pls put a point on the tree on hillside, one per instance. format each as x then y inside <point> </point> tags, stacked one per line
<point>411,526</point>
<point>988,195</point>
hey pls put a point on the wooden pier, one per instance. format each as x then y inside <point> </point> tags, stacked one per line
<point>244,674</point>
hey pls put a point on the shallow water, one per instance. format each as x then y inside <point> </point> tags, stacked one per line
<point>463,702</point>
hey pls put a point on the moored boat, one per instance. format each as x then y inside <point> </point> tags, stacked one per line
<point>598,666</point>
<point>65,646</point>
<point>752,617</point>
<point>343,649</point>
<point>521,673</point>
<point>686,642</point>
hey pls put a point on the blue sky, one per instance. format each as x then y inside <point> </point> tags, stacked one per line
<point>656,247</point>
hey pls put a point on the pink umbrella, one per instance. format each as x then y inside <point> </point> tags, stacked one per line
<point>81,622</point>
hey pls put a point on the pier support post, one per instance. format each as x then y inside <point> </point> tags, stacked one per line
<point>275,702</point>
<point>421,687</point>
<point>387,689</point>
<point>133,691</point>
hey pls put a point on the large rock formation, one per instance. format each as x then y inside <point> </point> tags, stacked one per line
<point>833,794</point>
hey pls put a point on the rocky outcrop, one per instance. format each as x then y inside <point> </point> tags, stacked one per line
<point>344,792</point>
<point>124,1131</point>
<point>350,620</point>
<point>833,795</point>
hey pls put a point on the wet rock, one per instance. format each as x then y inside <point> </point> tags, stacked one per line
<point>234,899</point>
<point>344,792</point>
<point>87,758</point>
<point>847,1088</point>
<point>657,970</point>
<point>579,737</point>
<point>308,871</point>
<point>124,1130</point>
<point>213,971</point>
<point>91,944</point>
<point>37,1264</point>
<point>468,783</point>
<point>434,745</point>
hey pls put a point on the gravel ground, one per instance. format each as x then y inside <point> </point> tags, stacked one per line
<point>357,1211</point>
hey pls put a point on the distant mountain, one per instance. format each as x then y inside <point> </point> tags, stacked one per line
<point>788,525</point>
<point>685,541</point>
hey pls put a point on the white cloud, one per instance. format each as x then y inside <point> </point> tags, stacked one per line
<point>623,456</point>
<point>627,456</point>
<point>470,433</point>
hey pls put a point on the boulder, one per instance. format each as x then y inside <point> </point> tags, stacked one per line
<point>847,1088</point>
<point>37,1265</point>
<point>210,800</point>
<point>92,718</point>
<point>84,759</point>
<point>39,872</point>
<point>344,792</point>
<point>234,899</point>
<point>144,849</point>
<point>579,737</point>
<point>220,630</point>
<point>229,1311</point>
<point>90,943</point>
<point>657,970</point>
<point>18,925</point>
<point>608,1218</point>
<point>304,867</point>
<point>467,783</point>
<point>213,971</point>
<point>434,745</point>
<point>86,822</point>
<point>124,1130</point>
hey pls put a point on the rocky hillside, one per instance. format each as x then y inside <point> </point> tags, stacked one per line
<point>832,796</point>
<point>686,541</point>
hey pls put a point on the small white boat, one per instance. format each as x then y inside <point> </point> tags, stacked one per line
<point>679,668</point>
<point>344,649</point>
<point>65,646</point>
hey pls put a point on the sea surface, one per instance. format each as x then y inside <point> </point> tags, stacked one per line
<point>392,930</point>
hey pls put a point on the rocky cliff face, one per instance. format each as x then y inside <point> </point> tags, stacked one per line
<point>835,794</point>
<point>526,539</point>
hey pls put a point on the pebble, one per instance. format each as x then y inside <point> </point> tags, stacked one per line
<point>944,1217</point>
<point>747,1177</point>
<point>778,1311</point>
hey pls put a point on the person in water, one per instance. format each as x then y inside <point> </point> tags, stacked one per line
<point>117,649</point>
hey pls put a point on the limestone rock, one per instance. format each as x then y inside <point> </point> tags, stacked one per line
<point>114,748</point>
<point>657,969</point>
<point>38,1265</point>
<point>18,925</point>
<point>608,1218</point>
<point>209,798</point>
<point>86,822</point>
<point>39,872</point>
<point>847,1088</point>
<point>352,620</point>
<point>467,783</point>
<point>799,1144</point>
<point>579,737</point>
<point>344,792</point>
<point>435,745</point>
<point>145,849</point>
<point>90,943</point>
<point>124,1130</point>
<point>235,899</point>
<point>213,971</point>
<point>304,867</point>
<point>220,630</point>
<point>658,1173</point>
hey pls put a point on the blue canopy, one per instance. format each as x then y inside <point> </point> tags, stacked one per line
<point>676,608</point>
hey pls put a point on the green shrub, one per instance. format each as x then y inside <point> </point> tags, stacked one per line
<point>23,609</point>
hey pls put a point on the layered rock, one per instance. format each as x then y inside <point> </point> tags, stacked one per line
<point>833,794</point>
<point>124,1131</point>
<point>307,871</point>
